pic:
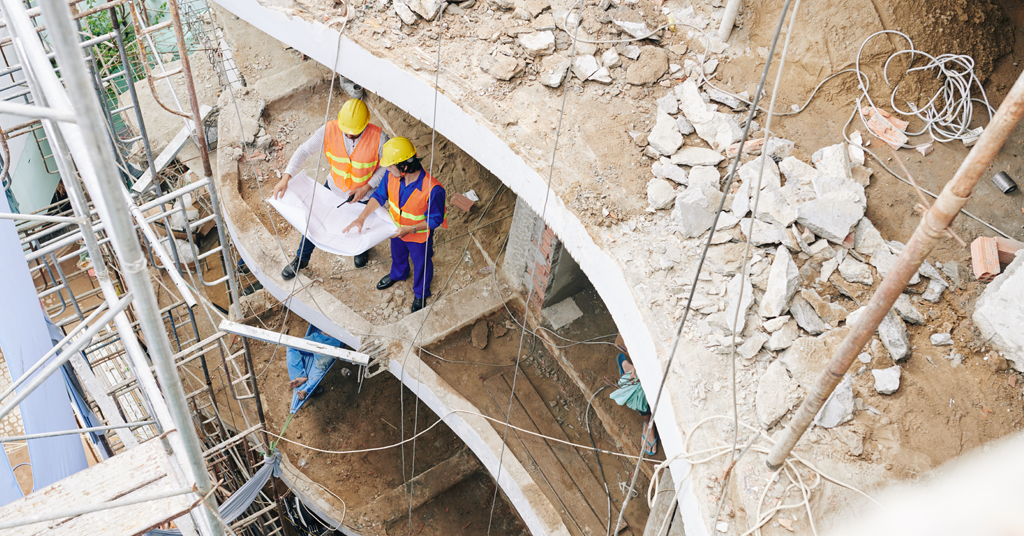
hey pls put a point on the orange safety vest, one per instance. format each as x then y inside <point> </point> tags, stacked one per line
<point>351,171</point>
<point>415,209</point>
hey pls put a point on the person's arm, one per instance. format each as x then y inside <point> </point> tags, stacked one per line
<point>310,147</point>
<point>377,200</point>
<point>378,174</point>
<point>435,217</point>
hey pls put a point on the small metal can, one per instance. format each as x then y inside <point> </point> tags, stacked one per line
<point>1004,182</point>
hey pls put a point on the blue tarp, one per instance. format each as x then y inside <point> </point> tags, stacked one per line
<point>313,367</point>
<point>24,338</point>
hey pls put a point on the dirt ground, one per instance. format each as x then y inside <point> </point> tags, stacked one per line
<point>472,366</point>
<point>293,121</point>
<point>465,510</point>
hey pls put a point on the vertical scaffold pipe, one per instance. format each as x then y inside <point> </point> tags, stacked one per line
<point>931,228</point>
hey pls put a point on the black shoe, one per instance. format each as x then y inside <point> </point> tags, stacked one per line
<point>418,303</point>
<point>251,289</point>
<point>293,267</point>
<point>361,259</point>
<point>386,282</point>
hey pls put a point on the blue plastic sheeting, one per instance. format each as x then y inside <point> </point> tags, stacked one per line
<point>24,338</point>
<point>240,500</point>
<point>10,491</point>
<point>75,390</point>
<point>313,367</point>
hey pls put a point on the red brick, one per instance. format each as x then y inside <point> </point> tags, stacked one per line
<point>462,202</point>
<point>1007,249</point>
<point>985,259</point>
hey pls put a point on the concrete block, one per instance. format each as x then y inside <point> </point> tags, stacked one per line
<point>665,137</point>
<point>783,281</point>
<point>999,315</point>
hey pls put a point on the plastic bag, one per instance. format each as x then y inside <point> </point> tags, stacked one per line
<point>630,393</point>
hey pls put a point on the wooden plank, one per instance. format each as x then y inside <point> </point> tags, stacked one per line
<point>572,461</point>
<point>562,485</point>
<point>168,154</point>
<point>141,471</point>
<point>293,342</point>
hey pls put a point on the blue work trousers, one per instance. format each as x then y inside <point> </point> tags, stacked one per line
<point>422,255</point>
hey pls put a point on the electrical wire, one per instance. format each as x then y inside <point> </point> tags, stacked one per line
<point>689,302</point>
<point>600,466</point>
<point>439,421</point>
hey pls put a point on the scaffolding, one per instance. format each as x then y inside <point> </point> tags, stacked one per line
<point>122,269</point>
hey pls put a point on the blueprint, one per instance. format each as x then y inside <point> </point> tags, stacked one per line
<point>327,218</point>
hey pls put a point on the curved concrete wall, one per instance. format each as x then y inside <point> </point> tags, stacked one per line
<point>415,94</point>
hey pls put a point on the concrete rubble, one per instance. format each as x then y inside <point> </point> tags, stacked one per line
<point>887,381</point>
<point>999,316</point>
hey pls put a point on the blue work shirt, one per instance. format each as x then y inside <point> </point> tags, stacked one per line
<point>435,216</point>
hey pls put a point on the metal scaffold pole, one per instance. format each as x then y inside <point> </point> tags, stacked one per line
<point>95,160</point>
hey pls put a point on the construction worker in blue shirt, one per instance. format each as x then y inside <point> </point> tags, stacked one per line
<point>416,202</point>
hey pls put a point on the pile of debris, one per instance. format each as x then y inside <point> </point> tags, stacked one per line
<point>815,259</point>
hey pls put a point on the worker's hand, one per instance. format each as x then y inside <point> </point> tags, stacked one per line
<point>281,186</point>
<point>356,224</point>
<point>402,231</point>
<point>359,193</point>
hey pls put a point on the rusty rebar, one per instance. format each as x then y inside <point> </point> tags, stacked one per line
<point>932,227</point>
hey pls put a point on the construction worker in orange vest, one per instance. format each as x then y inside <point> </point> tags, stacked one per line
<point>416,202</point>
<point>352,147</point>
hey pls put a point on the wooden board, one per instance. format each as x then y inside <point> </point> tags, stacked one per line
<point>142,471</point>
<point>562,468</point>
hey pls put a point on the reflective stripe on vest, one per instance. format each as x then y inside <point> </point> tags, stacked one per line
<point>351,171</point>
<point>415,209</point>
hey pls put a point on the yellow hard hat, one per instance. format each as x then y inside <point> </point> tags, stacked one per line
<point>353,117</point>
<point>397,150</point>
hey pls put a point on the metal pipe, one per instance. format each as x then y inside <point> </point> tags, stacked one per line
<point>929,230</point>
<point>130,79</point>
<point>73,347</point>
<point>728,19</point>
<point>76,431</point>
<point>36,112</point>
<point>40,217</point>
<point>95,159</point>
<point>204,154</point>
<point>255,391</point>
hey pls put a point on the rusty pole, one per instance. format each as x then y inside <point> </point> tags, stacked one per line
<point>931,228</point>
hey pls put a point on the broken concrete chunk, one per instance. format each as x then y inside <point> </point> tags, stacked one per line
<point>807,358</point>
<point>478,335</point>
<point>632,52</point>
<point>553,70</point>
<point>610,58</point>
<point>867,239</point>
<point>705,175</point>
<point>797,171</point>
<point>665,137</point>
<point>777,394</point>
<point>500,66</point>
<point>660,194</point>
<point>775,324</point>
<point>720,131</point>
<point>855,271</point>
<point>685,127</point>
<point>805,316</point>
<point>827,269</point>
<point>941,339</point>
<point>838,409</point>
<point>695,209</point>
<point>738,302</point>
<point>893,334</point>
<point>741,201</point>
<point>777,148</point>
<point>752,346</point>
<point>883,261</point>
<point>665,169</point>
<point>783,281</point>
<point>772,207</point>
<point>710,66</point>
<point>631,22</point>
<point>696,156</point>
<point>887,381</point>
<point>831,219</point>
<point>840,189</point>
<point>649,67</point>
<point>668,104</point>
<point>764,233</point>
<point>691,103</point>
<point>934,291</point>
<point>538,43</point>
<point>723,97</point>
<point>831,313</point>
<point>785,337</point>
<point>907,311</point>
<point>425,8</point>
<point>750,172</point>
<point>405,13</point>
<point>584,67</point>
